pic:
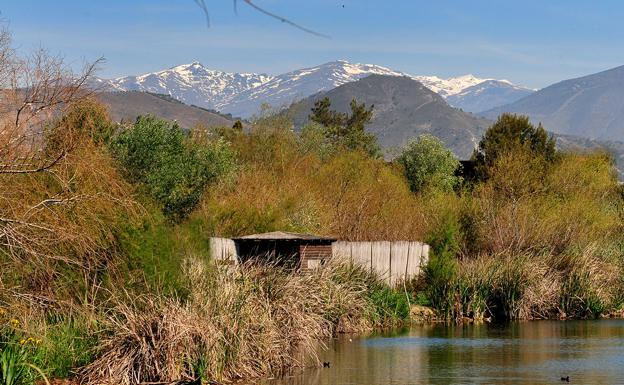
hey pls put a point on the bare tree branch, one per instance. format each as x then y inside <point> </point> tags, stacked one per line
<point>202,5</point>
<point>284,20</point>
<point>38,89</point>
<point>58,190</point>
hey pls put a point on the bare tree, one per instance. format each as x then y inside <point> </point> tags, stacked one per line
<point>34,90</point>
<point>56,189</point>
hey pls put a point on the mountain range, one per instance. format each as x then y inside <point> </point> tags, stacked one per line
<point>244,94</point>
<point>586,112</point>
<point>590,106</point>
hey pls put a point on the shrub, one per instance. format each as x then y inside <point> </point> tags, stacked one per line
<point>312,141</point>
<point>174,169</point>
<point>392,307</point>
<point>428,165</point>
<point>440,274</point>
<point>570,204</point>
<point>367,200</point>
<point>62,224</point>
<point>508,134</point>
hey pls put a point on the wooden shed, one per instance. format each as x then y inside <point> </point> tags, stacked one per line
<point>292,250</point>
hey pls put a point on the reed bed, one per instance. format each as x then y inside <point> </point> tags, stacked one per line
<point>237,323</point>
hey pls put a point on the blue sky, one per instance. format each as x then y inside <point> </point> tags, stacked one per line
<point>530,42</point>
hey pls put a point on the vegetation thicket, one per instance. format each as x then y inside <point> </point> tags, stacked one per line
<point>104,258</point>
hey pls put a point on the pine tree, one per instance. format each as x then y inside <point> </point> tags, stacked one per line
<point>323,115</point>
<point>346,130</point>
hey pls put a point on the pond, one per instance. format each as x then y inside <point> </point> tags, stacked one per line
<point>537,352</point>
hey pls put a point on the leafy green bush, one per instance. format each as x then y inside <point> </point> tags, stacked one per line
<point>174,168</point>
<point>429,165</point>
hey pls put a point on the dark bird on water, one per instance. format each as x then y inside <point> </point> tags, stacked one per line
<point>326,364</point>
<point>565,379</point>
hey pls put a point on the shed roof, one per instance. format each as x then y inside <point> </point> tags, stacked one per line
<point>284,236</point>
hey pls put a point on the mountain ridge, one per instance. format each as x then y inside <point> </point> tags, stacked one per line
<point>403,109</point>
<point>243,94</point>
<point>125,106</point>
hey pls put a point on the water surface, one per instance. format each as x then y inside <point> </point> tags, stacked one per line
<point>538,352</point>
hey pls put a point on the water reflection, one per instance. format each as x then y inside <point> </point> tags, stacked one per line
<point>518,353</point>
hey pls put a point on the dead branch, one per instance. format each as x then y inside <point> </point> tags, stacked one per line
<point>202,5</point>
<point>37,89</point>
<point>284,20</point>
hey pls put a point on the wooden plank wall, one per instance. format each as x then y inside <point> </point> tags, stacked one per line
<point>393,261</point>
<point>223,250</point>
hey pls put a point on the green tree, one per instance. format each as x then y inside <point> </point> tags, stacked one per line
<point>511,133</point>
<point>325,116</point>
<point>174,168</point>
<point>346,130</point>
<point>428,164</point>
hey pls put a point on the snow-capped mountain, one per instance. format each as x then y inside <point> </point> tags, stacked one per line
<point>192,84</point>
<point>243,94</point>
<point>287,88</point>
<point>487,94</point>
<point>450,86</point>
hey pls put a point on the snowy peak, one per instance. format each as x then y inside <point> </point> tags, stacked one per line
<point>243,94</point>
<point>454,86</point>
<point>347,72</point>
<point>487,94</point>
<point>192,83</point>
<point>287,88</point>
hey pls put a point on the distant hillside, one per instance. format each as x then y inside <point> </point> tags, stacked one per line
<point>404,108</point>
<point>486,95</point>
<point>128,105</point>
<point>590,106</point>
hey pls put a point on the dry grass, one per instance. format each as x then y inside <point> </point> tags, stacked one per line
<point>240,323</point>
<point>527,286</point>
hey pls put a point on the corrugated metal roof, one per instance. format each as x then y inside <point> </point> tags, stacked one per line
<point>285,236</point>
